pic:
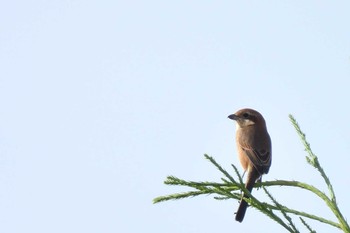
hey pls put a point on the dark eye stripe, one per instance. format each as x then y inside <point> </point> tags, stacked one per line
<point>245,115</point>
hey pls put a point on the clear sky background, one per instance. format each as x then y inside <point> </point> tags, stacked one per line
<point>101,100</point>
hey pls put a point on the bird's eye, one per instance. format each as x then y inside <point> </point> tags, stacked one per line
<point>245,115</point>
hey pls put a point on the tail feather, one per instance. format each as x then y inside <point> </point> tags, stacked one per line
<point>241,210</point>
<point>252,177</point>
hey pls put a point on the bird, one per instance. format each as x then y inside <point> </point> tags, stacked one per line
<point>254,150</point>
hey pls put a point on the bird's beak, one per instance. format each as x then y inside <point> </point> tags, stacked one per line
<point>233,117</point>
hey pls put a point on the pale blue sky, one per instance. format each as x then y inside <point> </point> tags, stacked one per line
<point>101,100</point>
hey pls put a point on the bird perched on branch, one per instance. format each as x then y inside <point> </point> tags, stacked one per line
<point>254,150</point>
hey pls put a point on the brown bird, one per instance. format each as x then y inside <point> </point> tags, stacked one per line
<point>254,150</point>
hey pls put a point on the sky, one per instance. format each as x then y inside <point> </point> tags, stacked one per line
<point>101,100</point>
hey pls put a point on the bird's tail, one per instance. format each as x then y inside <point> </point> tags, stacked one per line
<point>241,209</point>
<point>252,177</point>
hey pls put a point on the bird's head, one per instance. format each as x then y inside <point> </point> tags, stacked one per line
<point>247,117</point>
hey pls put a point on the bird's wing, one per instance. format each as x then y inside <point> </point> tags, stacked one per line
<point>261,159</point>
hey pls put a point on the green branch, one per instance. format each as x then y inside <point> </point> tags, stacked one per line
<point>313,161</point>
